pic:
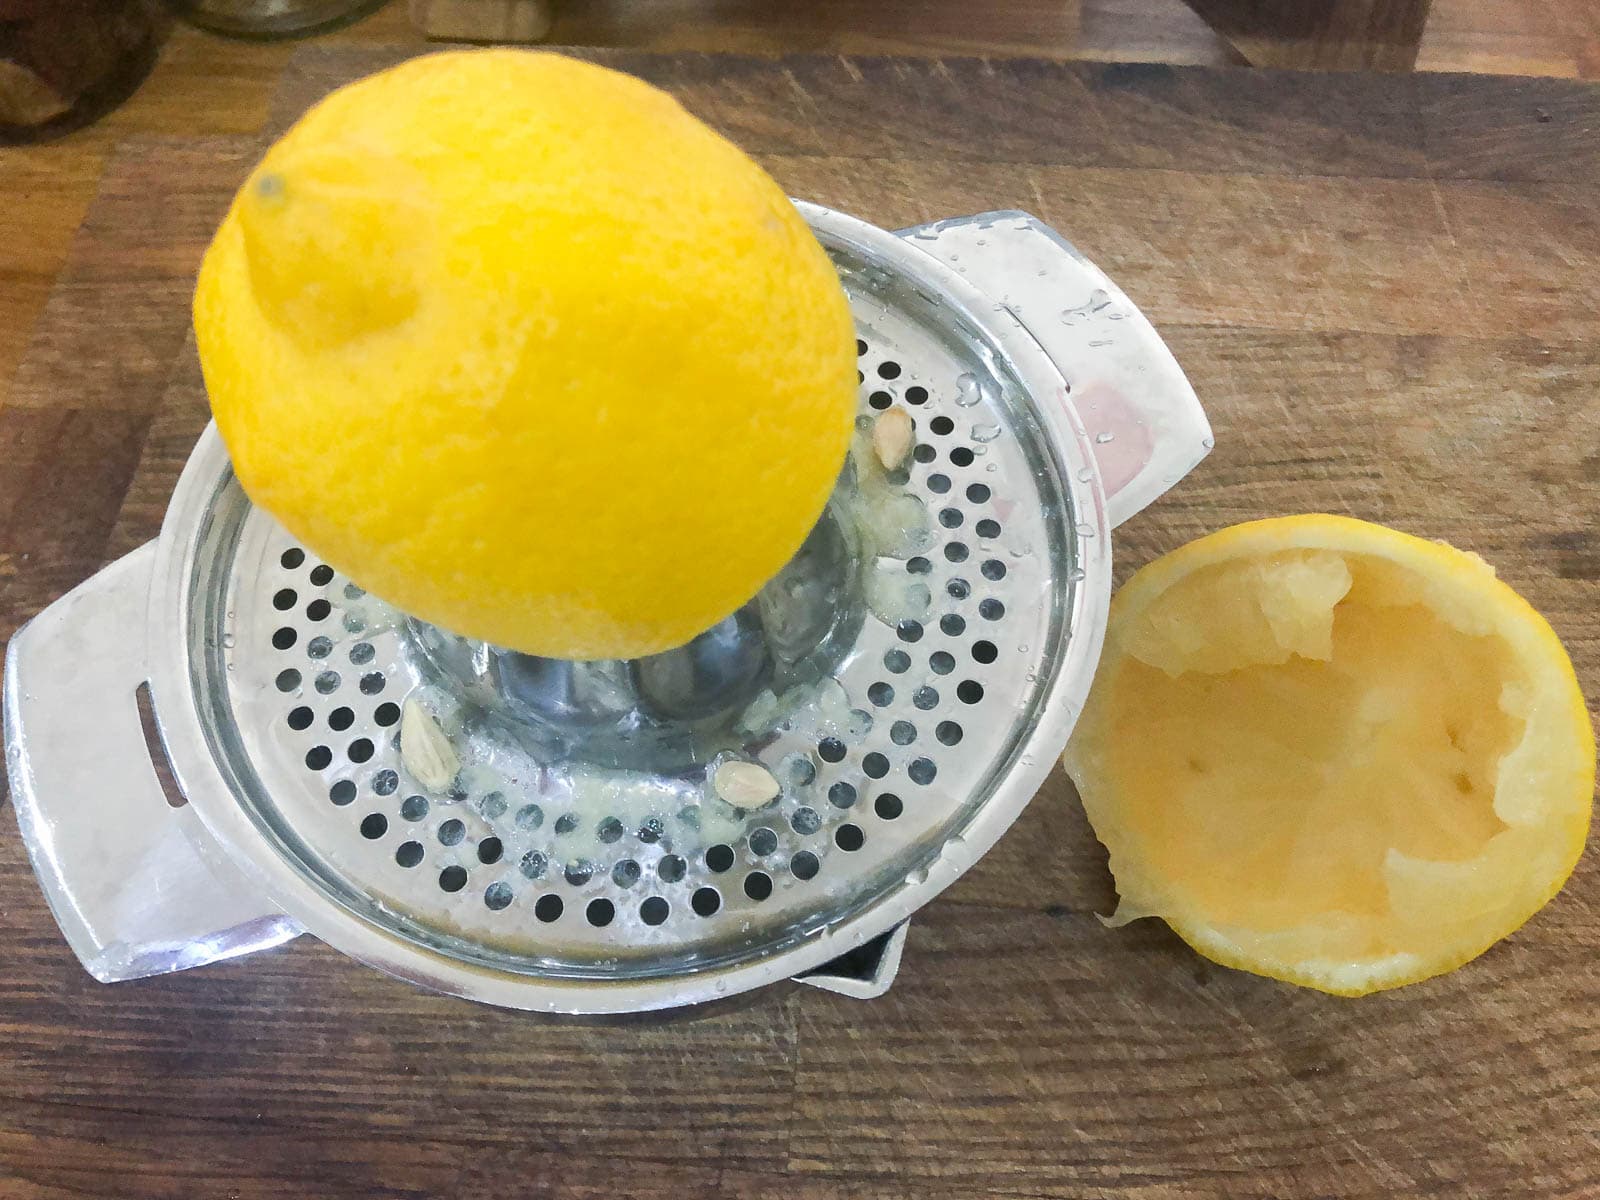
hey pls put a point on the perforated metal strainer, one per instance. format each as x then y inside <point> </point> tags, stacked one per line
<point>574,856</point>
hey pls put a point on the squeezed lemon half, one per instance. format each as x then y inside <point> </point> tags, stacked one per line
<point>1333,753</point>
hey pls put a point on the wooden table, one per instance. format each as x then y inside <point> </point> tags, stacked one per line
<point>1385,290</point>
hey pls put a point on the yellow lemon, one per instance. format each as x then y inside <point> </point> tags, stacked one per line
<point>1332,753</point>
<point>530,352</point>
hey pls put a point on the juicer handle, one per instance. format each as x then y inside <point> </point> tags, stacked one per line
<point>135,883</point>
<point>1145,424</point>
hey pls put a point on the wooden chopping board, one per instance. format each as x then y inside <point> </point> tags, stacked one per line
<point>1384,290</point>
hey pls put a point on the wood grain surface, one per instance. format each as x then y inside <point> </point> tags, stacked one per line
<point>205,84</point>
<point>1384,290</point>
<point>1381,35</point>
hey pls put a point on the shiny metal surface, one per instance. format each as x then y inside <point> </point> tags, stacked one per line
<point>537,880</point>
<point>135,884</point>
<point>650,712</point>
<point>1144,422</point>
<point>718,671</point>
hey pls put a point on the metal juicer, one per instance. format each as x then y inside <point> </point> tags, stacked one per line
<point>561,836</point>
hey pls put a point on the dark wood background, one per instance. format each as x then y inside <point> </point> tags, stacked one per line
<point>1385,291</point>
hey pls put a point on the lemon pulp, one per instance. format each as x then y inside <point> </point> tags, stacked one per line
<point>1333,753</point>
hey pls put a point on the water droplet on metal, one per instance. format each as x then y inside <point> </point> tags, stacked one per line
<point>1103,437</point>
<point>967,391</point>
<point>1083,313</point>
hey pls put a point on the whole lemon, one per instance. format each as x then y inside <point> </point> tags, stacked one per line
<point>526,349</point>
